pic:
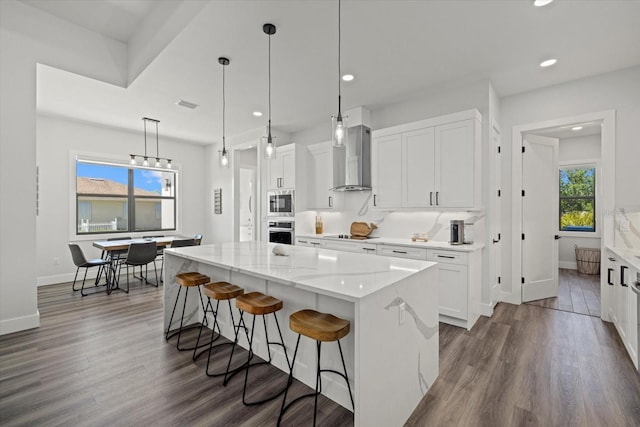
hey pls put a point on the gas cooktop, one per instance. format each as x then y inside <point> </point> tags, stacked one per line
<point>347,236</point>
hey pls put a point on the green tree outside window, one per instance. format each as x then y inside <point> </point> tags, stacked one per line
<point>578,199</point>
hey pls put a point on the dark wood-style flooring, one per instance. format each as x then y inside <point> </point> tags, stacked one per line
<point>577,293</point>
<point>103,360</point>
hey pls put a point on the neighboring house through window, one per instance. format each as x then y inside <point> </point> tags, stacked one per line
<point>122,199</point>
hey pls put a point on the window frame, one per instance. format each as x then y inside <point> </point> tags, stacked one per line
<point>576,164</point>
<point>106,160</point>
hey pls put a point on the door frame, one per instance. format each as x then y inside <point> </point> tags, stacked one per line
<point>607,202</point>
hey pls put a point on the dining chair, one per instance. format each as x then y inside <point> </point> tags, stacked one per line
<point>160,253</point>
<point>198,239</point>
<point>81,262</point>
<point>114,256</point>
<point>140,255</point>
<point>180,243</point>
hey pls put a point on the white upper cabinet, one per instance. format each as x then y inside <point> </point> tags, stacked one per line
<point>282,168</point>
<point>418,181</point>
<point>387,166</point>
<point>455,165</point>
<point>433,163</point>
<point>320,173</point>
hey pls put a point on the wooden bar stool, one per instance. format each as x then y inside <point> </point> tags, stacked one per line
<point>186,280</point>
<point>321,327</point>
<point>257,304</point>
<point>219,291</point>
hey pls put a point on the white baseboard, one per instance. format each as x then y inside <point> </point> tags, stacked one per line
<point>61,278</point>
<point>487,309</point>
<point>9,326</point>
<point>570,265</point>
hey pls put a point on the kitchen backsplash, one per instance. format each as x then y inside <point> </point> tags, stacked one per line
<point>627,228</point>
<point>390,224</point>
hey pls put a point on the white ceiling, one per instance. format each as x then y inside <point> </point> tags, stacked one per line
<point>395,48</point>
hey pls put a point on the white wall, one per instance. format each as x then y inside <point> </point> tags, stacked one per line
<point>29,36</point>
<point>619,91</point>
<point>57,138</point>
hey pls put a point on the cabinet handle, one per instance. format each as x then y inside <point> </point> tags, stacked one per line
<point>437,202</point>
<point>622,269</point>
<point>431,198</point>
<point>374,200</point>
<point>304,241</point>
<point>368,249</point>
<point>609,271</point>
<point>315,243</point>
<point>399,252</point>
<point>446,256</point>
<point>330,201</point>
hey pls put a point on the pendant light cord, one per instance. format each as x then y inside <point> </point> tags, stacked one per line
<point>157,144</point>
<point>339,59</point>
<point>269,73</point>
<point>223,111</point>
<point>145,138</point>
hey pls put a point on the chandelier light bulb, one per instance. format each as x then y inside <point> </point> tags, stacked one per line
<point>132,162</point>
<point>269,149</point>
<point>168,163</point>
<point>157,162</point>
<point>146,162</point>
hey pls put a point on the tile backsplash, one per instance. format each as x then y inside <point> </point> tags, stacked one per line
<point>627,228</point>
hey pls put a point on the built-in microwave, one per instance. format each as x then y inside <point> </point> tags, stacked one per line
<point>282,232</point>
<point>280,203</point>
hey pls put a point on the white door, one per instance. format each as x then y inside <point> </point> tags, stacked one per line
<point>417,164</point>
<point>539,217</point>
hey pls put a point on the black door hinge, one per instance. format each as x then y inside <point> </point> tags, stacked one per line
<point>498,149</point>
<point>523,148</point>
<point>498,236</point>
<point>522,280</point>
<point>522,193</point>
<point>499,279</point>
<point>498,193</point>
<point>522,236</point>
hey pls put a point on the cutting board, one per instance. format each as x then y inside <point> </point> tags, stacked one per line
<point>361,229</point>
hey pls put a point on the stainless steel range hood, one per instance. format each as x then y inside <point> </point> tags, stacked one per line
<point>352,163</point>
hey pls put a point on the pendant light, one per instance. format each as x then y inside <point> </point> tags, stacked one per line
<point>224,154</point>
<point>145,157</point>
<point>339,122</point>
<point>270,143</point>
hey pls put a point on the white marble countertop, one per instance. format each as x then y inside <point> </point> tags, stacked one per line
<point>629,255</point>
<point>432,244</point>
<point>345,275</point>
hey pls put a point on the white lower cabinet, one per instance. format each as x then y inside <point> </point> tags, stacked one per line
<point>350,246</point>
<point>310,241</point>
<point>460,286</point>
<point>403,252</point>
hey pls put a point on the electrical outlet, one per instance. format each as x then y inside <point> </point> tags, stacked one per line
<point>623,224</point>
<point>56,260</point>
<point>401,311</point>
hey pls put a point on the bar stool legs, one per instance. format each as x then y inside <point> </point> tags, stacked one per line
<point>185,280</point>
<point>257,304</point>
<point>321,327</point>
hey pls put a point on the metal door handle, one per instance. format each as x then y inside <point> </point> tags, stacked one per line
<point>399,252</point>
<point>556,237</point>
<point>496,241</point>
<point>622,269</point>
<point>446,256</point>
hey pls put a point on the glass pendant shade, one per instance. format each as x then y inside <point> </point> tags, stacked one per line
<point>269,147</point>
<point>224,158</point>
<point>132,162</point>
<point>145,162</point>
<point>339,130</point>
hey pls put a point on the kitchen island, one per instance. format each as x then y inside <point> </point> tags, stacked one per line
<point>392,351</point>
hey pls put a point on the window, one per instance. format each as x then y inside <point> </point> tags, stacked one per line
<point>578,198</point>
<point>122,199</point>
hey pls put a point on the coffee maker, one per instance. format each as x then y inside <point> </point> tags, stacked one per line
<point>457,232</point>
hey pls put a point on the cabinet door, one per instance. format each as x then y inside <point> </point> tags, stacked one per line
<point>453,290</point>
<point>612,288</point>
<point>288,162</point>
<point>418,180</point>
<point>622,302</point>
<point>275,172</point>
<point>387,165</point>
<point>321,176</point>
<point>454,167</point>
<point>343,246</point>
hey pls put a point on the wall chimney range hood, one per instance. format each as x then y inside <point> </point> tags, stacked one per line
<point>352,163</point>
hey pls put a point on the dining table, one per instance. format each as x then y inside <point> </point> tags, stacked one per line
<point>116,250</point>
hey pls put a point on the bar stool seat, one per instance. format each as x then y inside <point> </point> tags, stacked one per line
<point>219,291</point>
<point>321,327</point>
<point>186,280</point>
<point>257,304</point>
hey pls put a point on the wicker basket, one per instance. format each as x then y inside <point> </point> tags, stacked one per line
<point>588,260</point>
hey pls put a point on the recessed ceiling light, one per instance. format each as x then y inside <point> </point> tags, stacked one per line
<point>186,104</point>
<point>348,77</point>
<point>576,128</point>
<point>257,113</point>
<point>548,62</point>
<point>539,3</point>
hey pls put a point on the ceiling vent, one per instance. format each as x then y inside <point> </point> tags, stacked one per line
<point>186,104</point>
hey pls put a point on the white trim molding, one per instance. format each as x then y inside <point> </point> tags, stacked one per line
<point>9,326</point>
